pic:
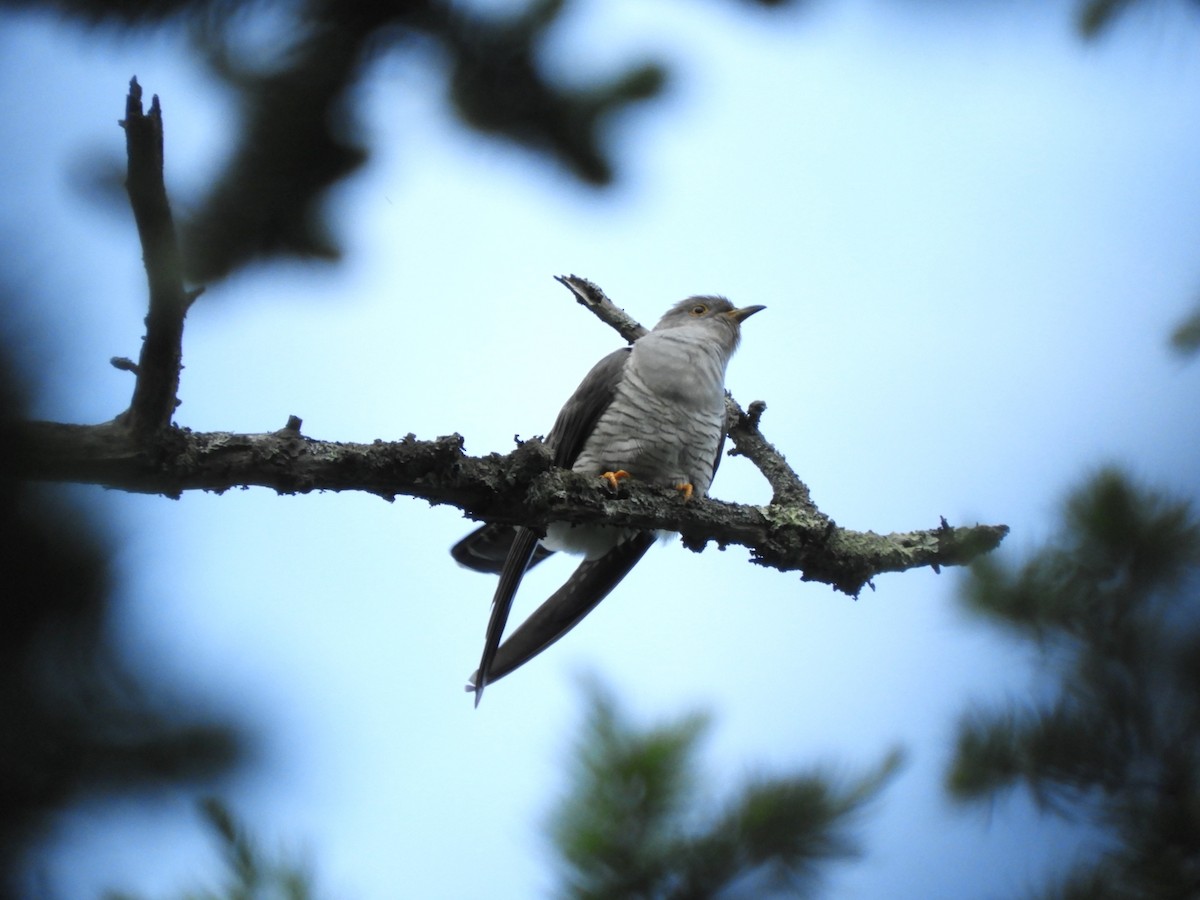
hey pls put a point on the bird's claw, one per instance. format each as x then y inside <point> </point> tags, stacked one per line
<point>614,478</point>
<point>686,489</point>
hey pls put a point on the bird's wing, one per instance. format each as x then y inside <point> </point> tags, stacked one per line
<point>579,414</point>
<point>487,547</point>
<point>564,609</point>
<point>571,429</point>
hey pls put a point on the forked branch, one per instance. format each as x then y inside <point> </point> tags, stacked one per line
<point>141,450</point>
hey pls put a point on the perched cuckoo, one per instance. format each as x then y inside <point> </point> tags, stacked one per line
<point>654,411</point>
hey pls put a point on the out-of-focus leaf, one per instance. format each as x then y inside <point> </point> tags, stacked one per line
<point>1185,339</point>
<point>634,822</point>
<point>76,717</point>
<point>1112,734</point>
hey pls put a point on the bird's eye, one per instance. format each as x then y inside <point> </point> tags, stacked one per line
<point>699,309</point>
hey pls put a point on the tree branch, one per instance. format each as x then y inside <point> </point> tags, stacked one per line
<point>519,488</point>
<point>141,451</point>
<point>154,394</point>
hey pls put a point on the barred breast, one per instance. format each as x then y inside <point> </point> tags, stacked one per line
<point>663,427</point>
<point>665,422</point>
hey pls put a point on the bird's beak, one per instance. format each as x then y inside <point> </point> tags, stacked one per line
<point>741,315</point>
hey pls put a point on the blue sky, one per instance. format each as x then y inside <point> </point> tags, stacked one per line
<point>973,234</point>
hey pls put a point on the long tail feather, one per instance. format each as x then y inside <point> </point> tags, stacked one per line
<point>566,607</point>
<point>515,565</point>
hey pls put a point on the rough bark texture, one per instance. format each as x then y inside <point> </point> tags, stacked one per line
<point>520,488</point>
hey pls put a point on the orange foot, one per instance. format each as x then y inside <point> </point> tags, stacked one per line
<point>686,489</point>
<point>614,478</point>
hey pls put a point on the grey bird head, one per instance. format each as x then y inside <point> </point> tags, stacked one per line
<point>719,319</point>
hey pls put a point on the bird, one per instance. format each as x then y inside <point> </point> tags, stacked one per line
<point>652,411</point>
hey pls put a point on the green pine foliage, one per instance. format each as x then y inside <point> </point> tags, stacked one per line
<point>635,821</point>
<point>1112,604</point>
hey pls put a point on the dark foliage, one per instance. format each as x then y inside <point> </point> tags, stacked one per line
<point>1113,604</point>
<point>635,821</point>
<point>75,718</point>
<point>298,135</point>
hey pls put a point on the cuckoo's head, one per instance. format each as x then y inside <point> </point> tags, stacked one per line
<point>709,318</point>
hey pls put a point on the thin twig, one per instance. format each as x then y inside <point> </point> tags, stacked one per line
<point>156,389</point>
<point>590,296</point>
<point>748,441</point>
